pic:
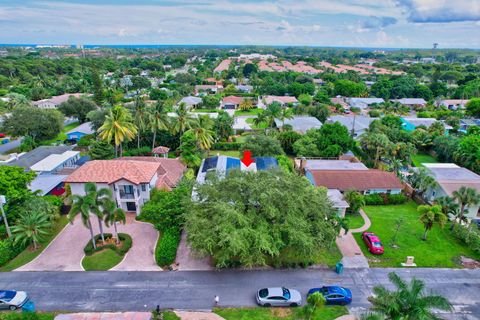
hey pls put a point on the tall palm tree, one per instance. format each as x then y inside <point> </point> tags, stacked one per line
<point>429,215</point>
<point>140,117</point>
<point>396,166</point>
<point>272,112</point>
<point>409,301</point>
<point>202,130</point>
<point>81,205</point>
<point>118,126</point>
<point>421,180</point>
<point>113,215</point>
<point>466,197</point>
<point>99,198</point>
<point>376,144</point>
<point>285,113</point>
<point>449,207</point>
<point>158,120</point>
<point>182,119</point>
<point>31,228</point>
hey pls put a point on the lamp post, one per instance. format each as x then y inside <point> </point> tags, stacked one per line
<point>2,202</point>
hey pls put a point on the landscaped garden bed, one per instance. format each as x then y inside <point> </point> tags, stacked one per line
<point>106,255</point>
<point>322,313</point>
<point>442,249</point>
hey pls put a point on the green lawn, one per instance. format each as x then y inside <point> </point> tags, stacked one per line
<point>420,158</point>
<point>28,255</point>
<point>261,125</point>
<point>205,110</point>
<point>354,220</point>
<point>101,261</point>
<point>441,249</point>
<point>323,313</point>
<point>22,316</point>
<point>251,112</point>
<point>169,315</point>
<point>230,153</point>
<point>62,136</point>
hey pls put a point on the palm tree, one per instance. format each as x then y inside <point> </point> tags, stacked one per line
<point>118,126</point>
<point>376,144</point>
<point>182,120</point>
<point>449,207</point>
<point>140,117</point>
<point>408,301</point>
<point>396,166</point>
<point>421,180</point>
<point>158,120</point>
<point>16,100</point>
<point>113,215</point>
<point>355,200</point>
<point>285,113</point>
<point>272,112</point>
<point>202,130</point>
<point>31,228</point>
<point>99,196</point>
<point>466,196</point>
<point>82,205</point>
<point>429,215</point>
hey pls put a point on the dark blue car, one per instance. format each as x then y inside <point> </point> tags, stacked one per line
<point>334,294</point>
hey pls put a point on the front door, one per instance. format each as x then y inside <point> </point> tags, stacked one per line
<point>131,206</point>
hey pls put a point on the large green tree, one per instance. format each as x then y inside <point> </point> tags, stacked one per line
<point>473,107</point>
<point>262,145</point>
<point>77,107</point>
<point>331,140</point>
<point>255,218</point>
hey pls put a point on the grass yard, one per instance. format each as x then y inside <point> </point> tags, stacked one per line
<point>169,315</point>
<point>354,220</point>
<point>323,313</point>
<point>101,261</point>
<point>441,250</point>
<point>22,316</point>
<point>251,112</point>
<point>62,136</point>
<point>420,158</point>
<point>261,125</point>
<point>204,110</point>
<point>28,255</point>
<point>230,153</point>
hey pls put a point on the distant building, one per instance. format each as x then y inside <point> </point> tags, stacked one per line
<point>244,88</point>
<point>55,101</point>
<point>284,101</point>
<point>223,66</point>
<point>453,104</point>
<point>80,131</point>
<point>411,102</point>
<point>231,102</point>
<point>363,103</point>
<point>356,125</point>
<point>191,102</point>
<point>207,89</point>
<point>467,123</point>
<point>410,123</point>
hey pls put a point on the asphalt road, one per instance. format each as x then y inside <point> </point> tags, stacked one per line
<point>194,290</point>
<point>10,145</point>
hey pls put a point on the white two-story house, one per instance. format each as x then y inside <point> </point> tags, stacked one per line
<point>129,179</point>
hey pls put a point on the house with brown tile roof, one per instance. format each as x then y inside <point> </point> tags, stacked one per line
<point>130,178</point>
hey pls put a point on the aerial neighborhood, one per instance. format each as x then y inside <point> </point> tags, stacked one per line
<point>338,166</point>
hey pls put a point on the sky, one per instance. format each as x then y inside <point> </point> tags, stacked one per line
<point>346,23</point>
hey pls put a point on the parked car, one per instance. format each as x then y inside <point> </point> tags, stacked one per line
<point>373,243</point>
<point>334,294</point>
<point>278,297</point>
<point>2,135</point>
<point>12,300</point>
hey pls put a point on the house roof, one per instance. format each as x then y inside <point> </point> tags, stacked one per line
<point>361,122</point>
<point>366,100</point>
<point>451,177</point>
<point>53,161</point>
<point>56,100</point>
<point>280,99</point>
<point>83,128</point>
<point>449,102</point>
<point>46,182</point>
<point>160,150</point>
<point>191,100</point>
<point>300,123</point>
<point>411,101</point>
<point>232,100</point>
<point>427,122</point>
<point>360,180</point>
<point>32,157</point>
<point>337,198</point>
<point>321,164</point>
<point>109,171</point>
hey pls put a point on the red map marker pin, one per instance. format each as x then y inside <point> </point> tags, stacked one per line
<point>247,158</point>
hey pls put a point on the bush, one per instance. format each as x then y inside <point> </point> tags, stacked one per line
<point>166,250</point>
<point>383,198</point>
<point>374,113</point>
<point>126,244</point>
<point>285,163</point>
<point>469,235</point>
<point>142,151</point>
<point>85,141</point>
<point>226,146</point>
<point>8,251</point>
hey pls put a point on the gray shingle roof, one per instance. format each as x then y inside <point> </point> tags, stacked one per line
<point>300,123</point>
<point>30,158</point>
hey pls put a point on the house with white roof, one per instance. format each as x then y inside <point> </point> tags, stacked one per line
<point>453,104</point>
<point>363,103</point>
<point>410,123</point>
<point>451,177</point>
<point>191,102</point>
<point>356,125</point>
<point>300,124</point>
<point>55,101</point>
<point>80,131</point>
<point>411,102</point>
<point>55,162</point>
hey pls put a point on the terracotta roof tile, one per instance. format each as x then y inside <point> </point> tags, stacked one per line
<point>360,180</point>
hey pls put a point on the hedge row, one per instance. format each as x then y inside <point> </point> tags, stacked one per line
<point>142,151</point>
<point>226,146</point>
<point>468,235</point>
<point>383,198</point>
<point>166,250</point>
<point>126,244</point>
<point>8,251</point>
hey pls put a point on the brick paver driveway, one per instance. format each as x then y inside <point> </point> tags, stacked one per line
<point>65,252</point>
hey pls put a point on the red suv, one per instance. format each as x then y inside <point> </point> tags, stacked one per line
<point>373,243</point>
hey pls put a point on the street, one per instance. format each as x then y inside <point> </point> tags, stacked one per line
<point>195,290</point>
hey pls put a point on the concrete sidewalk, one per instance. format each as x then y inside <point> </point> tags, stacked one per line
<point>106,316</point>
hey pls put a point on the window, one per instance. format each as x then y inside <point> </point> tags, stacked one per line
<point>389,191</point>
<point>263,293</point>
<point>286,293</point>
<point>144,187</point>
<point>128,189</point>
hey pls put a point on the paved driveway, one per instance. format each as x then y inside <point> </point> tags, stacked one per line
<point>65,252</point>
<point>240,123</point>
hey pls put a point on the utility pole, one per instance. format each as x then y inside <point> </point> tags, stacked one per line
<point>2,202</point>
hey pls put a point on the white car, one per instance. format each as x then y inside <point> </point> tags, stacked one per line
<point>12,300</point>
<point>279,297</point>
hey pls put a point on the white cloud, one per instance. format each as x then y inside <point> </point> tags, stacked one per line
<point>441,10</point>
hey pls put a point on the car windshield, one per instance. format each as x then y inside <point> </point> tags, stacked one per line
<point>377,244</point>
<point>286,293</point>
<point>7,295</point>
<point>263,293</point>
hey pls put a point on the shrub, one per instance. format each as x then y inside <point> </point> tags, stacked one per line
<point>85,141</point>
<point>374,200</point>
<point>126,244</point>
<point>374,113</point>
<point>226,146</point>
<point>166,250</point>
<point>142,151</point>
<point>383,198</point>
<point>469,235</point>
<point>397,198</point>
<point>285,163</point>
<point>8,251</point>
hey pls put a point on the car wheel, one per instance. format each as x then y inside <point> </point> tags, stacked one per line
<point>267,305</point>
<point>293,305</point>
<point>12,308</point>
